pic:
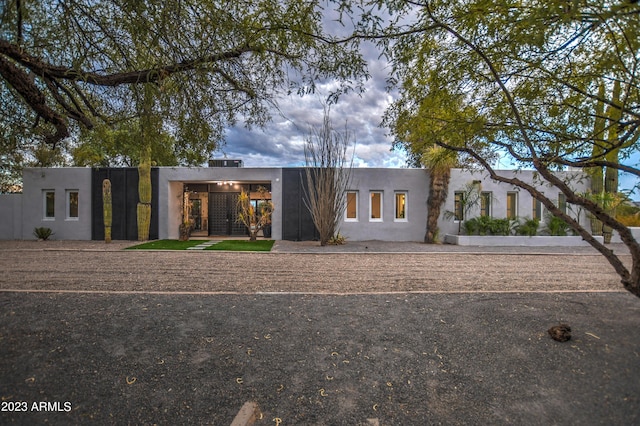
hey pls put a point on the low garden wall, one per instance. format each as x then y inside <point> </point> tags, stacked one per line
<point>516,240</point>
<point>615,238</point>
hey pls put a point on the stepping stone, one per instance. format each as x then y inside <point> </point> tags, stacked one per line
<point>203,245</point>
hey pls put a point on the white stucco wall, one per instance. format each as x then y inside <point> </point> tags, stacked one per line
<point>460,178</point>
<point>10,216</point>
<point>170,185</point>
<point>20,214</point>
<point>414,182</point>
<point>59,180</point>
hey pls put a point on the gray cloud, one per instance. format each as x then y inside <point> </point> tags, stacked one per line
<point>280,142</point>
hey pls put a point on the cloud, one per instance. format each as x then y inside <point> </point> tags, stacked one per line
<point>280,143</point>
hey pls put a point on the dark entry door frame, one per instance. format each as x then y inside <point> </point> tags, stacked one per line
<point>223,215</point>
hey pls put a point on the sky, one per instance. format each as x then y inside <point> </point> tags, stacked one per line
<point>280,143</point>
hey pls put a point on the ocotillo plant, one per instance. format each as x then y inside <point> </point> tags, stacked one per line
<point>107,211</point>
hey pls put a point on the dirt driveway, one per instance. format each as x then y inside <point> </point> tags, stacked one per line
<point>314,339</point>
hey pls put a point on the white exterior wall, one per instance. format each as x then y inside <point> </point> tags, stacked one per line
<point>414,182</point>
<point>20,214</point>
<point>170,186</point>
<point>524,207</point>
<point>10,216</point>
<point>59,180</point>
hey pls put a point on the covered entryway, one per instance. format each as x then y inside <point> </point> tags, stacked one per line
<point>213,207</point>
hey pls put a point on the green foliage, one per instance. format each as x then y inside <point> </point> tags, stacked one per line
<point>254,219</point>
<point>471,197</point>
<point>165,245</point>
<point>119,145</point>
<point>626,208</point>
<point>337,240</point>
<point>629,220</point>
<point>212,63</point>
<point>455,56</point>
<point>529,227</point>
<point>530,82</point>
<point>243,245</point>
<point>487,225</point>
<point>42,233</point>
<point>229,245</point>
<point>556,226</point>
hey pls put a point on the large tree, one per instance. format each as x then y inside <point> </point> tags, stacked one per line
<point>66,64</point>
<point>524,78</point>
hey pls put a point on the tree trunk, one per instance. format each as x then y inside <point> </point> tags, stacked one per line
<point>438,187</point>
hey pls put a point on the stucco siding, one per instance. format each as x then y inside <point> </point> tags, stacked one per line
<point>10,216</point>
<point>60,181</point>
<point>388,182</point>
<point>499,191</point>
<point>22,213</point>
<point>171,180</point>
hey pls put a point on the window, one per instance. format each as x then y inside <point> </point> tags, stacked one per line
<point>536,212</point>
<point>512,205</point>
<point>49,202</point>
<point>458,202</point>
<point>375,206</point>
<point>485,203</point>
<point>351,212</point>
<point>72,204</point>
<point>562,202</point>
<point>401,207</point>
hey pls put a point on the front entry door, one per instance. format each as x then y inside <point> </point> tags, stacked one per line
<point>223,214</point>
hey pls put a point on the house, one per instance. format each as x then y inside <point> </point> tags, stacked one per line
<point>382,204</point>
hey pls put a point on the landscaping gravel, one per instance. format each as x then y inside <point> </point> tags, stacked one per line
<point>383,336</point>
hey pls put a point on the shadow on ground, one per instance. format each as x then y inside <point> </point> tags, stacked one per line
<point>321,359</point>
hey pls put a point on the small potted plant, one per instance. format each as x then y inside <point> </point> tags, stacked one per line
<point>266,209</point>
<point>185,230</point>
<point>186,226</point>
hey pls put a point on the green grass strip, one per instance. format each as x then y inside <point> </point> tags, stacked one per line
<point>166,245</point>
<point>230,245</point>
<point>243,245</point>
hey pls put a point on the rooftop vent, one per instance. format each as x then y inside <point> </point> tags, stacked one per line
<point>225,163</point>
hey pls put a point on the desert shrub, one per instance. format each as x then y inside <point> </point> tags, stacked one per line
<point>558,227</point>
<point>471,226</point>
<point>528,228</point>
<point>42,233</point>
<point>500,227</point>
<point>337,240</point>
<point>486,225</point>
<point>629,220</point>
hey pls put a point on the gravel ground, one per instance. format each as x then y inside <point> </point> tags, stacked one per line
<point>300,267</point>
<point>371,333</point>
